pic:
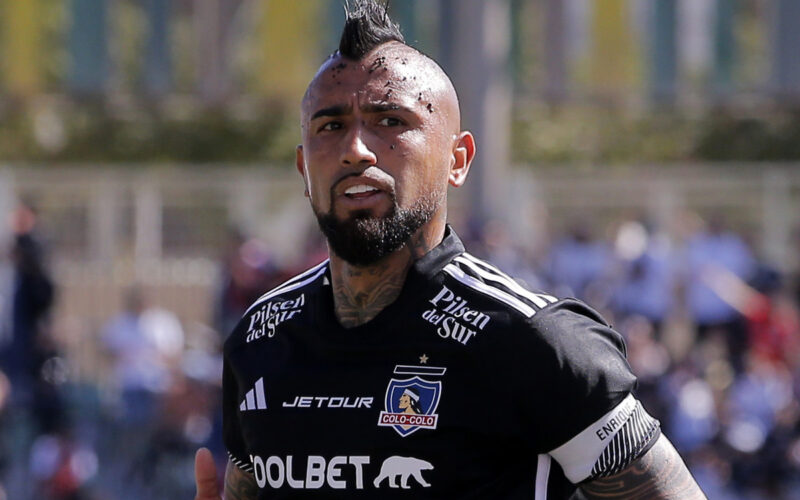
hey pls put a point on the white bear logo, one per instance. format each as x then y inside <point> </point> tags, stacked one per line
<point>403,467</point>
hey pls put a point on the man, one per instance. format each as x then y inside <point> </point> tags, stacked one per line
<point>315,371</point>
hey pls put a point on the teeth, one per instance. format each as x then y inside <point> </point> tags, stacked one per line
<point>361,188</point>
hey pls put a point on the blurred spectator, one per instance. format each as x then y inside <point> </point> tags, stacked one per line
<point>773,319</point>
<point>647,282</point>
<point>184,423</point>
<point>758,403</point>
<point>248,271</point>
<point>500,249</point>
<point>144,343</point>
<point>31,301</point>
<point>693,422</point>
<point>577,262</point>
<point>716,247</point>
<point>61,467</point>
<point>30,357</point>
<point>648,358</point>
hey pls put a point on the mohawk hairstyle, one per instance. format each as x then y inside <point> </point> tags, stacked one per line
<point>366,26</point>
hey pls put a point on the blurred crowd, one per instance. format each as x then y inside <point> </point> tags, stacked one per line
<point>713,333</point>
<point>712,329</point>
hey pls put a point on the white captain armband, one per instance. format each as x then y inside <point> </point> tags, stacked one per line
<point>610,444</point>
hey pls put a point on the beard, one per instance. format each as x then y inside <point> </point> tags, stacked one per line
<point>363,239</point>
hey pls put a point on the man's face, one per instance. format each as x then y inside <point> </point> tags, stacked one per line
<point>404,402</point>
<point>377,152</point>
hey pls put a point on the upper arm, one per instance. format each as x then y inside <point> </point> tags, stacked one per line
<point>239,485</point>
<point>659,474</point>
<point>607,443</point>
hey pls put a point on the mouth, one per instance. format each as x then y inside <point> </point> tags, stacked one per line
<point>363,194</point>
<point>361,191</point>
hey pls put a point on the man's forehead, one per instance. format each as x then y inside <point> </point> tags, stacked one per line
<point>393,66</point>
<point>391,55</point>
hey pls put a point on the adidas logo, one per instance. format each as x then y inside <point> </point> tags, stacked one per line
<point>255,398</point>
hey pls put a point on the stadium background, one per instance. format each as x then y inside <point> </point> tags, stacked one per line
<point>147,147</point>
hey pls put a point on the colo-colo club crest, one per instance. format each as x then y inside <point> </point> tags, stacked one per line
<point>411,402</point>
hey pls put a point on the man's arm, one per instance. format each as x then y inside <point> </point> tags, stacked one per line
<point>659,474</point>
<point>239,485</point>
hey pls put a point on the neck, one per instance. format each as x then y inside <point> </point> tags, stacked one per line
<point>361,292</point>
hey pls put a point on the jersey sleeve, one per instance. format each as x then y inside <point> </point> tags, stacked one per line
<point>231,426</point>
<point>582,410</point>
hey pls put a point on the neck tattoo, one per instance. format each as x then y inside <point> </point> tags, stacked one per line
<point>360,293</point>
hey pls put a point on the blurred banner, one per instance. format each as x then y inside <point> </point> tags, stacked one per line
<point>22,43</point>
<point>291,27</point>
<point>158,57</point>
<point>612,52</point>
<point>724,46</point>
<point>88,46</point>
<point>786,43</point>
<point>213,28</point>
<point>664,62</point>
<point>555,53</point>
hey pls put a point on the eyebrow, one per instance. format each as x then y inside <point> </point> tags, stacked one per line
<point>331,111</point>
<point>382,107</point>
<point>378,107</point>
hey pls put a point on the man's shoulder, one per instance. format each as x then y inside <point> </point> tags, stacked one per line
<point>527,317</point>
<point>282,303</point>
<point>469,277</point>
<point>309,279</point>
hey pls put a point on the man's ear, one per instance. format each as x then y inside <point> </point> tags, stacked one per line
<point>463,154</point>
<point>301,165</point>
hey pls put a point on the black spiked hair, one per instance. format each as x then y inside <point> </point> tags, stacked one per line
<point>367,25</point>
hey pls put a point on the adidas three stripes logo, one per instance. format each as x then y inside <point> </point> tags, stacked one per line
<point>255,398</point>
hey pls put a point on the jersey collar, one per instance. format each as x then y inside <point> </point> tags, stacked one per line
<point>433,262</point>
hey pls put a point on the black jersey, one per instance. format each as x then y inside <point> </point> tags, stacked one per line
<point>467,386</point>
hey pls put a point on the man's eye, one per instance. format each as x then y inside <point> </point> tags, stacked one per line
<point>331,126</point>
<point>389,122</point>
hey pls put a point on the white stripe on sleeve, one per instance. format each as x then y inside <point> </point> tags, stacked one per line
<point>489,290</point>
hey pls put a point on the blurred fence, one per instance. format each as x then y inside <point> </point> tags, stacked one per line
<point>165,229</point>
<point>760,201</point>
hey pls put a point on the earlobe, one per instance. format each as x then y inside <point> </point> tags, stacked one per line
<point>463,154</point>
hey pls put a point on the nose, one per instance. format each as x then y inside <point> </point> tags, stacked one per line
<point>356,152</point>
